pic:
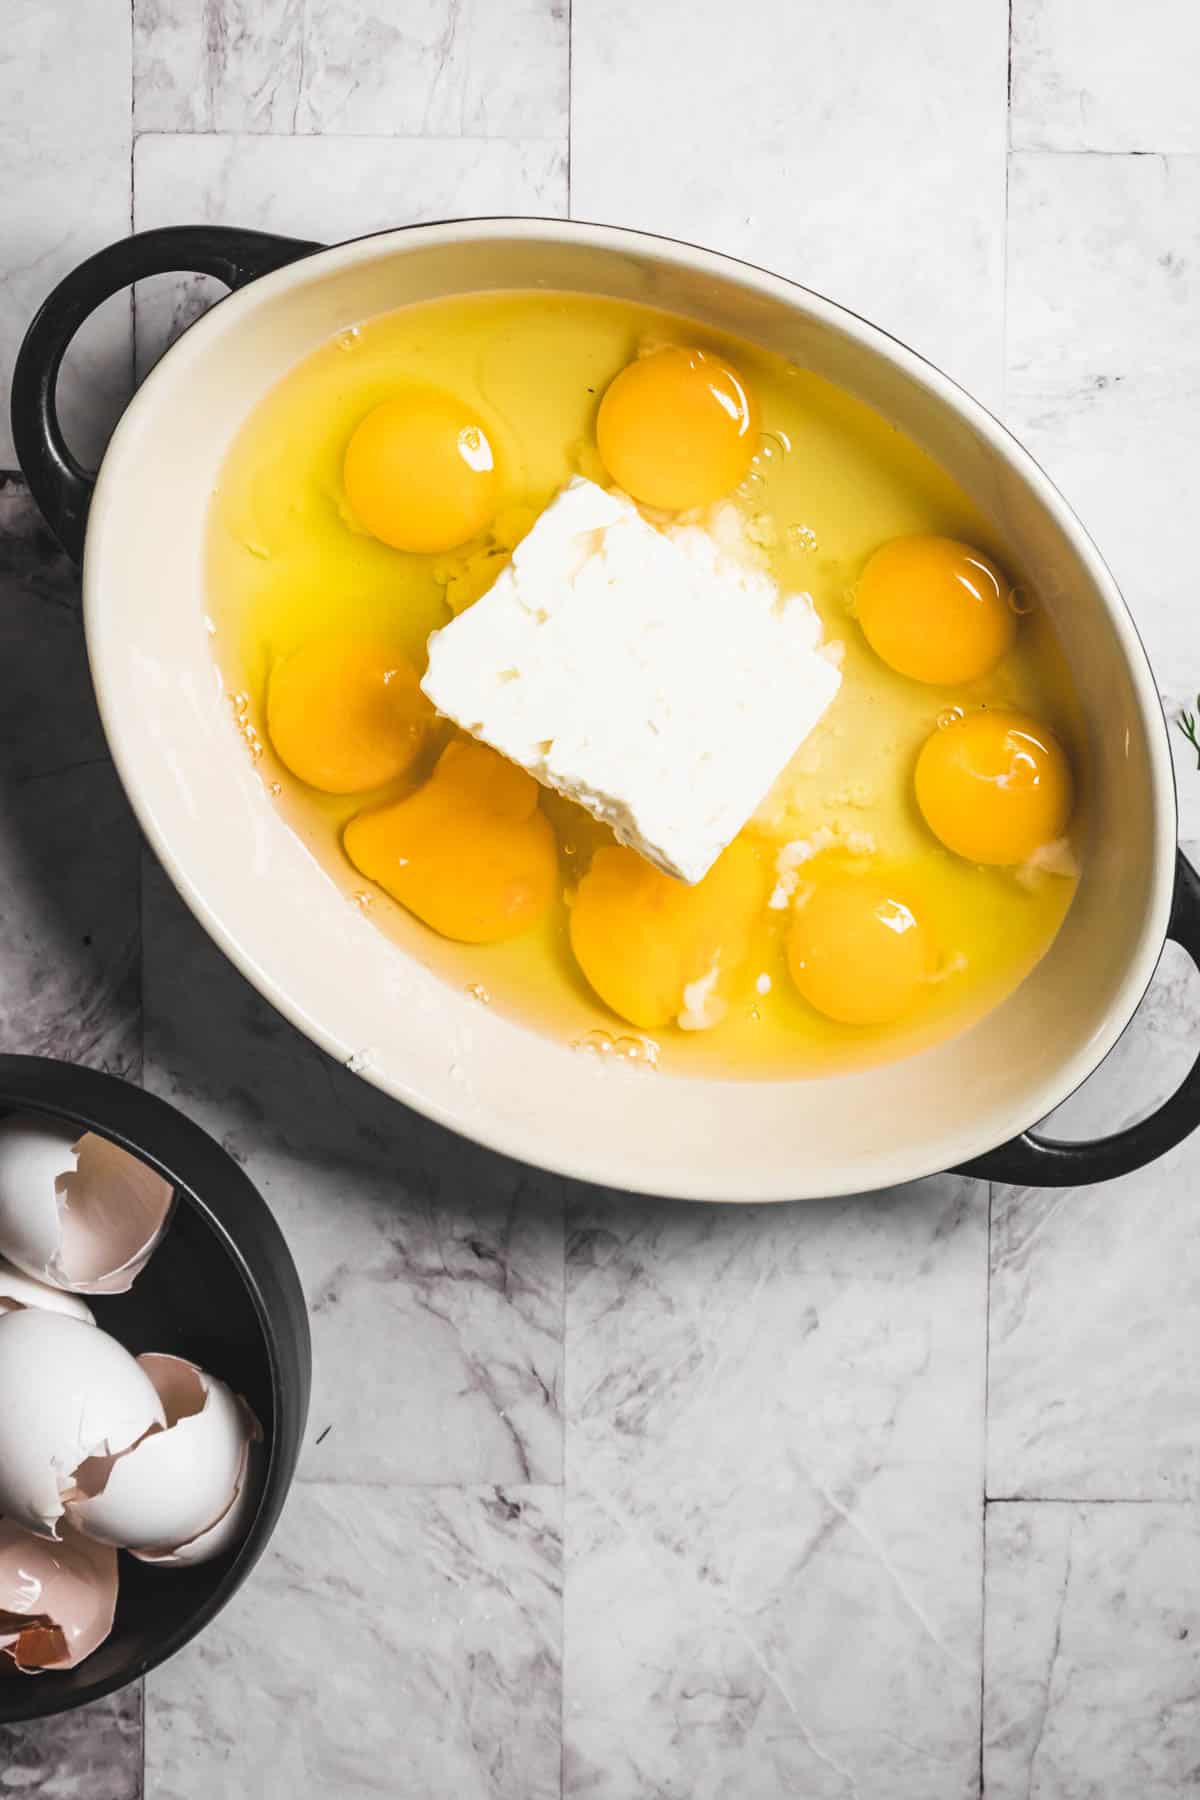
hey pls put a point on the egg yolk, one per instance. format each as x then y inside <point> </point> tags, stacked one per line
<point>420,473</point>
<point>857,953</point>
<point>676,429</point>
<point>935,610</point>
<point>656,950</point>
<point>471,853</point>
<point>346,714</point>
<point>994,787</point>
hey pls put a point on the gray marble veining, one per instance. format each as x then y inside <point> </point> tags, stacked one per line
<point>1107,78</point>
<point>327,189</point>
<point>605,1496</point>
<point>1092,1654</point>
<point>65,136</point>
<point>433,1270</point>
<point>69,849</point>
<point>430,69</point>
<point>773,1521</point>
<point>396,1641</point>
<point>1104,381</point>
<point>92,1754</point>
<point>857,151</point>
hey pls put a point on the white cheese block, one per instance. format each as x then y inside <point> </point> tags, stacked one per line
<point>659,678</point>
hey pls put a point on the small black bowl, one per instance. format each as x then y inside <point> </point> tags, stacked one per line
<point>220,1289</point>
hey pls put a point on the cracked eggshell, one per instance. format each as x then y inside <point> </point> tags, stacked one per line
<point>57,1600</point>
<point>18,1289</point>
<point>177,1484</point>
<point>228,1532</point>
<point>68,1392</point>
<point>77,1211</point>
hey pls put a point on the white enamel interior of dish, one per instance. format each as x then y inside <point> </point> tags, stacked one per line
<point>291,931</point>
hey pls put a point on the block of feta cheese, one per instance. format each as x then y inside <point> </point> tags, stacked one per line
<point>657,677</point>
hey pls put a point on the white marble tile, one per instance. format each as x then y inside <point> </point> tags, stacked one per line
<point>94,1753</point>
<point>1092,1652</point>
<point>1104,381</point>
<point>433,1270</point>
<point>432,68</point>
<point>1094,1291</point>
<point>392,1642</point>
<point>324,188</point>
<point>64,144</point>
<point>774,1504</point>
<point>1088,77</point>
<point>69,848</point>
<point>1092,1364</point>
<point>857,148</point>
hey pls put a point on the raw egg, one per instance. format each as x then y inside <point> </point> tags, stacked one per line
<point>857,952</point>
<point>420,473</point>
<point>935,610</point>
<point>677,428</point>
<point>346,714</point>
<point>658,951</point>
<point>57,1600</point>
<point>471,852</point>
<point>77,1211</point>
<point>994,786</point>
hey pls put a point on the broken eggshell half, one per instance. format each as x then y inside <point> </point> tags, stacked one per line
<point>173,1492</point>
<point>77,1211</point>
<point>18,1289</point>
<point>68,1392</point>
<point>57,1600</point>
<point>228,1531</point>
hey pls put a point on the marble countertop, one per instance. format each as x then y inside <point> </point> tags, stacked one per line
<point>881,1499</point>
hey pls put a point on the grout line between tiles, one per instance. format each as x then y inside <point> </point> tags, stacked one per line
<point>143,1778</point>
<point>1053,150</point>
<point>360,137</point>
<point>983,1628</point>
<point>987,1366</point>
<point>1189,1500</point>
<point>562,1523</point>
<point>562,1602</point>
<point>165,134</point>
<point>397,1484</point>
<point>570,96</point>
<point>1008,151</point>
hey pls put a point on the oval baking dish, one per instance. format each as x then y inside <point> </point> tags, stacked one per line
<point>971,1102</point>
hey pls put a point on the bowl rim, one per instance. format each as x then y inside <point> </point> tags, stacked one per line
<point>42,1086</point>
<point>521,1140</point>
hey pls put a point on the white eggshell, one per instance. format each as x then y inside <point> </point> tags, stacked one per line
<point>77,1211</point>
<point>68,1392</point>
<point>227,1532</point>
<point>56,1600</point>
<point>177,1483</point>
<point>34,1153</point>
<point>18,1289</point>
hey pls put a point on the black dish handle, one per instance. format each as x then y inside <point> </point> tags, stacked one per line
<point>60,484</point>
<point>1030,1161</point>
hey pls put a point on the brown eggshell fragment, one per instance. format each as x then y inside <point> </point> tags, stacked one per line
<point>115,1210</point>
<point>77,1212</point>
<point>57,1600</point>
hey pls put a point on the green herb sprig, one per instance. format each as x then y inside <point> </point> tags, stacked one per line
<point>1187,724</point>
